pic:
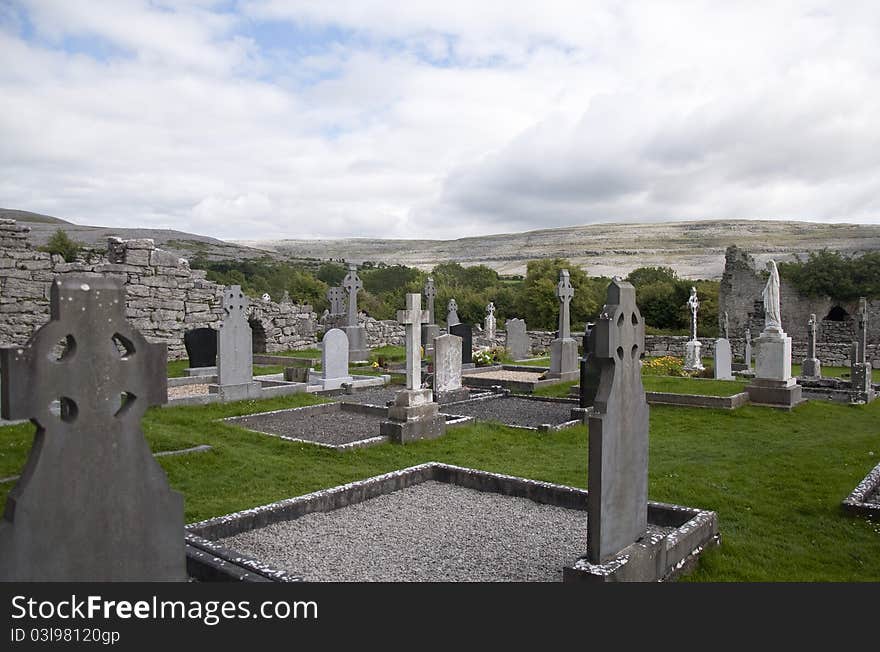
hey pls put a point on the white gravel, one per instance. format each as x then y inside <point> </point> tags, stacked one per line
<point>432,531</point>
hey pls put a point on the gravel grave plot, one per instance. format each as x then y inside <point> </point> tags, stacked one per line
<point>333,428</point>
<point>187,390</point>
<point>430,532</point>
<point>514,411</point>
<point>379,396</point>
<point>506,374</point>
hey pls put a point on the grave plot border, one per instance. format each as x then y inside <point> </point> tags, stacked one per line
<point>695,529</point>
<point>448,409</point>
<point>855,502</point>
<point>337,406</point>
<point>732,402</point>
<point>473,378</point>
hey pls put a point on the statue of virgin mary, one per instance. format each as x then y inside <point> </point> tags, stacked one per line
<point>772,318</point>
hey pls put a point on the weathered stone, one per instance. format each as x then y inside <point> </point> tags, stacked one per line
<point>452,314</point>
<point>430,295</point>
<point>723,360</point>
<point>617,503</point>
<point>563,349</point>
<point>235,359</point>
<point>517,339</point>
<point>92,503</point>
<point>447,369</point>
<point>336,297</point>
<point>490,324</point>
<point>334,361</point>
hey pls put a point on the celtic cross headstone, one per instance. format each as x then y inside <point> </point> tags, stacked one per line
<point>92,503</point>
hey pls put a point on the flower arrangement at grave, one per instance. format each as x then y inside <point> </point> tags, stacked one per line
<point>488,356</point>
<point>667,365</point>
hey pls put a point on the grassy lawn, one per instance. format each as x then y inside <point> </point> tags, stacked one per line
<point>701,386</point>
<point>776,479</point>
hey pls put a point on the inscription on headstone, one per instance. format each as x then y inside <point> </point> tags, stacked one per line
<point>92,503</point>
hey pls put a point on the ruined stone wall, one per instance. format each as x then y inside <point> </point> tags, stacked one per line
<point>164,297</point>
<point>740,295</point>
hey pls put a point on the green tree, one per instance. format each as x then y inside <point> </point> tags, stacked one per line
<point>62,245</point>
<point>538,303</point>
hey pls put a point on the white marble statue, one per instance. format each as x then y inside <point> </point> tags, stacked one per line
<point>693,304</point>
<point>772,318</point>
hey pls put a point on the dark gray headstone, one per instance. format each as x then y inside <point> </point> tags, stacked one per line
<point>466,333</point>
<point>92,503</point>
<point>201,347</point>
<point>617,502</point>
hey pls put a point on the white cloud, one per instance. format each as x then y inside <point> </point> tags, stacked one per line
<point>439,119</point>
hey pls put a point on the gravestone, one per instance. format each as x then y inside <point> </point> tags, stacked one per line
<point>747,355</point>
<point>617,502</point>
<point>334,361</point>
<point>489,323</point>
<point>357,335</point>
<point>235,356</point>
<point>811,367</point>
<point>723,360</point>
<point>452,314</point>
<point>430,330</point>
<point>563,349</point>
<point>447,370</point>
<point>517,346</point>
<point>862,390</point>
<point>92,503</point>
<point>466,333</point>
<point>692,359</point>
<point>773,384</point>
<point>201,347</point>
<point>414,414</point>
<point>589,381</point>
<point>336,297</point>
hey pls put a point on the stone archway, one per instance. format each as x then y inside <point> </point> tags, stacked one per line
<point>258,335</point>
<point>837,314</point>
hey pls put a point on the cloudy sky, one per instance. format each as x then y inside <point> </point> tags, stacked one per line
<point>259,119</point>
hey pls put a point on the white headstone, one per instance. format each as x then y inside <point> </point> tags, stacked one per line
<point>334,357</point>
<point>723,360</point>
<point>447,363</point>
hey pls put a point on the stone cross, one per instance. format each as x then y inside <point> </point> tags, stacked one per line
<point>352,284</point>
<point>564,292</point>
<point>430,294</point>
<point>452,313</point>
<point>694,305</point>
<point>413,317</point>
<point>725,326</point>
<point>617,503</point>
<point>811,337</point>
<point>92,503</point>
<point>336,297</point>
<point>748,349</point>
<point>235,354</point>
<point>490,309</point>
<point>489,322</point>
<point>862,330</point>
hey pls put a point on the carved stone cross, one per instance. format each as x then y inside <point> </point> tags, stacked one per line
<point>352,284</point>
<point>92,503</point>
<point>430,294</point>
<point>490,309</point>
<point>811,336</point>
<point>618,442</point>
<point>452,313</point>
<point>413,317</point>
<point>336,297</point>
<point>862,329</point>
<point>564,293</point>
<point>235,355</point>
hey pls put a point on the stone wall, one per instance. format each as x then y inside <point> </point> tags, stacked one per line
<point>165,298</point>
<point>740,295</point>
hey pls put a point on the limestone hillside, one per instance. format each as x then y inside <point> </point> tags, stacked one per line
<point>693,249</point>
<point>182,244</point>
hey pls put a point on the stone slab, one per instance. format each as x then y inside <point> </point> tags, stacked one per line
<point>723,359</point>
<point>564,359</point>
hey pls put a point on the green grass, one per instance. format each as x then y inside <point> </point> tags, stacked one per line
<point>835,372</point>
<point>700,386</point>
<point>390,353</point>
<point>775,478</point>
<point>535,362</point>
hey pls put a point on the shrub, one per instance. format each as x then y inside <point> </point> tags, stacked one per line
<point>62,245</point>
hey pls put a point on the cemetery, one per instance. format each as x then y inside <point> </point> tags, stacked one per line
<point>597,462</point>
